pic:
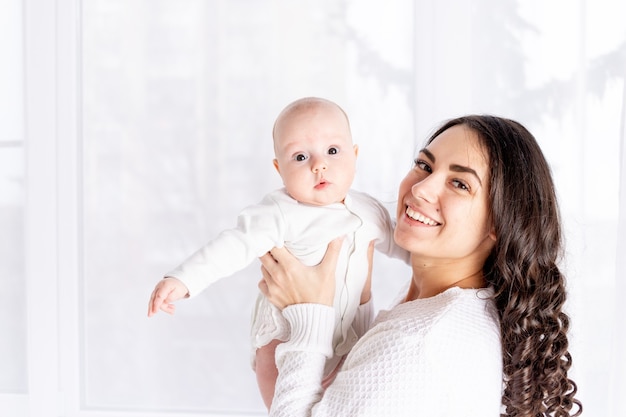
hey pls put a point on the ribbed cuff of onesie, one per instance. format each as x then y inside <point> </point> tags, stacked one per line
<point>312,327</point>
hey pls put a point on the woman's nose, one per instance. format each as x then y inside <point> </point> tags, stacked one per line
<point>426,189</point>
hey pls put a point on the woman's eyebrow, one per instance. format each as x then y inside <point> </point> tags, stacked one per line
<point>461,168</point>
<point>428,154</point>
<point>453,167</point>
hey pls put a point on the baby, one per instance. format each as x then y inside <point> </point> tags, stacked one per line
<point>316,160</point>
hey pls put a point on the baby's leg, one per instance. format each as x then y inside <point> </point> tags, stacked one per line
<point>328,379</point>
<point>266,371</point>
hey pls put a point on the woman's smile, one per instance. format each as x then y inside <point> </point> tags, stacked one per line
<point>420,217</point>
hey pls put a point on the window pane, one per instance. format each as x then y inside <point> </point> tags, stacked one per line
<point>156,174</point>
<point>13,307</point>
<point>178,106</point>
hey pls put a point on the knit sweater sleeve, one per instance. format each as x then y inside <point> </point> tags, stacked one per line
<point>301,360</point>
<point>438,356</point>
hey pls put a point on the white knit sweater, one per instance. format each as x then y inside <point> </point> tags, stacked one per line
<point>439,356</point>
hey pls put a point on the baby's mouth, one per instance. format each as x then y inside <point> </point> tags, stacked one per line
<point>322,184</point>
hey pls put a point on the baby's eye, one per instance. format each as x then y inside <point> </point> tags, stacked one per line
<point>423,165</point>
<point>300,157</point>
<point>460,185</point>
<point>333,151</point>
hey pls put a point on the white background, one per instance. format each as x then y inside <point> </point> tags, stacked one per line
<point>132,131</point>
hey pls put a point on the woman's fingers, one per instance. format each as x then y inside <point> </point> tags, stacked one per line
<point>366,293</point>
<point>273,276</point>
<point>263,285</point>
<point>287,281</point>
<point>282,256</point>
<point>268,260</point>
<point>329,262</point>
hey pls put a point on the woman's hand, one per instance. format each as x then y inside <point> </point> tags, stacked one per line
<point>287,281</point>
<point>366,294</point>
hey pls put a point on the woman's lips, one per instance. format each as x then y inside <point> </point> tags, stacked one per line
<point>420,217</point>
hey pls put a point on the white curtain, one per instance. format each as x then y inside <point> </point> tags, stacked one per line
<point>148,127</point>
<point>617,385</point>
<point>13,331</point>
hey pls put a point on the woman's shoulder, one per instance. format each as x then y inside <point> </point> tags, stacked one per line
<point>430,351</point>
<point>451,327</point>
<point>469,314</point>
<point>433,308</point>
<point>464,313</point>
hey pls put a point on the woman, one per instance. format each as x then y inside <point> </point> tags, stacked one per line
<point>481,330</point>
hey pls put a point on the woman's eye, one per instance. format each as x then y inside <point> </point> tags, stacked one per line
<point>423,165</point>
<point>460,185</point>
<point>300,157</point>
<point>333,151</point>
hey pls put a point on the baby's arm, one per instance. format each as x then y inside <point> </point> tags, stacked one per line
<point>168,290</point>
<point>259,228</point>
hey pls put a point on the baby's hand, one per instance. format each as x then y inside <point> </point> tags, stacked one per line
<point>168,290</point>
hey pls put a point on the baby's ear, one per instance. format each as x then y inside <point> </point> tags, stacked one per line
<point>275,162</point>
<point>356,150</point>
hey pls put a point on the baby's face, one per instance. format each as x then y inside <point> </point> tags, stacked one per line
<point>315,156</point>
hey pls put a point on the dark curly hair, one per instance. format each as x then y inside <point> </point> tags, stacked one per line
<point>529,288</point>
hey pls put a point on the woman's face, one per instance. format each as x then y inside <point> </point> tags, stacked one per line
<point>443,214</point>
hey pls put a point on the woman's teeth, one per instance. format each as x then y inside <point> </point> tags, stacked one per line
<point>420,218</point>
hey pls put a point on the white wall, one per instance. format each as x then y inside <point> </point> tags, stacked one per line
<point>13,380</point>
<point>138,129</point>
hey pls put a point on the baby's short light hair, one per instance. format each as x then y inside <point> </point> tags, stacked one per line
<point>305,104</point>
